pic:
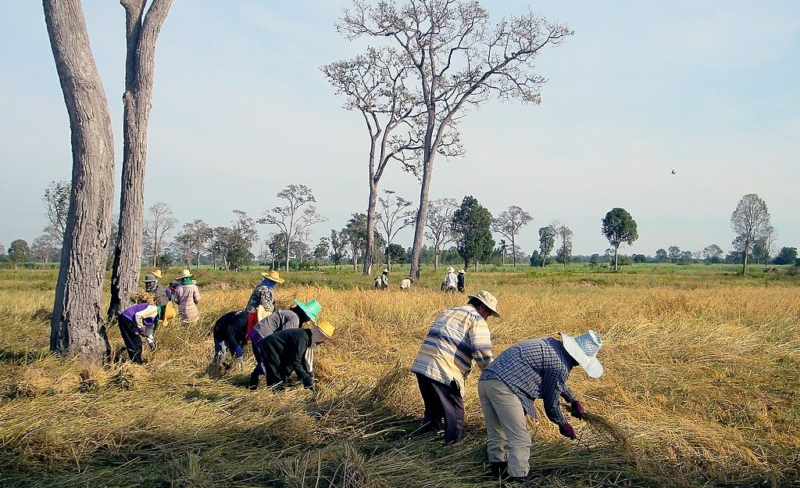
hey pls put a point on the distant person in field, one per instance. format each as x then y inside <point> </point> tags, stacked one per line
<point>450,281</point>
<point>457,337</point>
<point>292,318</point>
<point>187,296</point>
<point>263,295</point>
<point>531,369</point>
<point>406,284</point>
<point>139,321</point>
<point>152,286</point>
<point>384,280</point>
<point>285,352</point>
<point>460,281</point>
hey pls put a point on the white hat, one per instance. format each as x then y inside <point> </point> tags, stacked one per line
<point>450,269</point>
<point>487,299</point>
<point>584,349</point>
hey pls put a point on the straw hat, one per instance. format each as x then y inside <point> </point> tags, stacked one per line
<point>584,349</point>
<point>184,274</point>
<point>450,269</point>
<point>461,271</point>
<point>273,276</point>
<point>487,299</point>
<point>311,308</point>
<point>150,278</point>
<point>326,329</point>
<point>157,273</point>
<point>386,271</point>
<point>170,311</point>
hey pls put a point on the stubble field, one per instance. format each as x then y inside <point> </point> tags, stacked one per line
<point>700,388</point>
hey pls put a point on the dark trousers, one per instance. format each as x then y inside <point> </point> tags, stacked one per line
<point>133,343</point>
<point>442,401</point>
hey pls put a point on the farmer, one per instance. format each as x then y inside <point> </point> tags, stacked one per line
<point>263,295</point>
<point>291,318</point>
<point>152,286</point>
<point>406,284</point>
<point>384,281</point>
<point>460,285</point>
<point>284,352</point>
<point>136,322</point>
<point>535,368</point>
<point>450,281</point>
<point>457,337</point>
<point>187,296</point>
<point>230,334</point>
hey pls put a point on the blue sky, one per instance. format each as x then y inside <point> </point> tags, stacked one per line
<point>241,110</point>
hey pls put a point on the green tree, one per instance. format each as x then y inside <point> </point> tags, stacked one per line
<point>338,245</point>
<point>564,252</point>
<point>750,221</point>
<point>395,253</point>
<point>472,228</point>
<point>535,258</point>
<point>787,255</point>
<point>509,223</point>
<point>619,228</point>
<point>662,256</point>
<point>674,253</point>
<point>547,239</point>
<point>322,250</point>
<point>712,254</point>
<point>19,252</point>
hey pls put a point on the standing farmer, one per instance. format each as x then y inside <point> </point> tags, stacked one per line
<point>263,295</point>
<point>187,296</point>
<point>457,337</point>
<point>531,369</point>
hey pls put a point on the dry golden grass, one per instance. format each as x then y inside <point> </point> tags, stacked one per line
<point>700,390</point>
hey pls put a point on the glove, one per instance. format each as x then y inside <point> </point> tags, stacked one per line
<point>308,383</point>
<point>566,430</point>
<point>577,410</point>
<point>240,363</point>
<point>152,343</point>
<point>237,353</point>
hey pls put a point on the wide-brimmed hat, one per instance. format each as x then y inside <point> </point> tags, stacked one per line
<point>487,299</point>
<point>150,278</point>
<point>273,276</point>
<point>184,274</point>
<point>450,269</point>
<point>157,273</point>
<point>326,328</point>
<point>461,271</point>
<point>311,309</point>
<point>386,271</point>
<point>584,349</point>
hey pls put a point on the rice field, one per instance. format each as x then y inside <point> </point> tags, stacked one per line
<point>700,390</point>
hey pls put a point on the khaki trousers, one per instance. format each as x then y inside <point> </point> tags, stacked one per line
<point>508,439</point>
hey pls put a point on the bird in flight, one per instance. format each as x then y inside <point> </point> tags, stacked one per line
<point>673,171</point>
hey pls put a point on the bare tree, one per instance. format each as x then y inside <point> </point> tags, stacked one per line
<point>77,325</point>
<point>289,219</point>
<point>374,84</point>
<point>56,200</point>
<point>156,229</point>
<point>564,251</point>
<point>508,224</point>
<point>459,61</point>
<point>44,247</point>
<point>142,27</point>
<point>394,216</point>
<point>750,221</point>
<point>440,225</point>
<point>195,237</point>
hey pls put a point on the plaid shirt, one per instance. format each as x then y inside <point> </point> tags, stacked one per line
<point>536,368</point>
<point>262,295</point>
<point>457,337</point>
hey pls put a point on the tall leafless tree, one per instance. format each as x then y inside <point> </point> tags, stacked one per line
<point>508,224</point>
<point>564,250</point>
<point>393,217</point>
<point>547,239</point>
<point>56,200</point>
<point>196,236</point>
<point>142,26</point>
<point>161,222</point>
<point>750,221</point>
<point>440,225</point>
<point>374,85</point>
<point>290,219</point>
<point>77,325</point>
<point>460,61</point>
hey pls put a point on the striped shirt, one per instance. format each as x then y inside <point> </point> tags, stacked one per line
<point>536,368</point>
<point>457,337</point>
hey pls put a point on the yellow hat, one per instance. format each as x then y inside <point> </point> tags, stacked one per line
<point>273,276</point>
<point>185,274</point>
<point>157,273</point>
<point>326,329</point>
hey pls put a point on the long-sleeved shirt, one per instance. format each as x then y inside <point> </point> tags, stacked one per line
<point>187,297</point>
<point>144,315</point>
<point>536,368</point>
<point>450,281</point>
<point>286,350</point>
<point>231,328</point>
<point>405,284</point>
<point>274,322</point>
<point>457,337</point>
<point>262,295</point>
<point>159,293</point>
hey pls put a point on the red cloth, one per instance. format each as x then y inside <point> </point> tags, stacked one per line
<point>252,320</point>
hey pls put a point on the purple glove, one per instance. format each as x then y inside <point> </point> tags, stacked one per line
<point>566,430</point>
<point>577,409</point>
